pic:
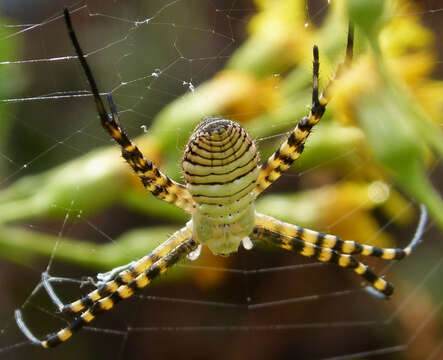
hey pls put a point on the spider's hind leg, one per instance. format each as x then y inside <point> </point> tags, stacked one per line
<point>326,255</point>
<point>331,249</point>
<point>343,246</point>
<point>128,274</point>
<point>107,303</point>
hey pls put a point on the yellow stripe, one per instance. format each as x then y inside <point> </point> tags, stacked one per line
<point>223,189</point>
<point>348,247</point>
<point>64,334</point>
<point>106,304</point>
<point>130,148</point>
<point>325,255</point>
<point>329,241</point>
<point>115,133</point>
<point>142,281</point>
<point>76,306</point>
<point>94,296</point>
<point>380,284</point>
<point>361,269</point>
<point>125,291</point>
<point>87,316</point>
<point>388,254</point>
<point>344,260</point>
<point>308,250</point>
<point>247,157</point>
<point>308,235</point>
<point>367,250</point>
<point>222,177</point>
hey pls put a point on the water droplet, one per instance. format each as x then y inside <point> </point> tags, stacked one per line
<point>378,191</point>
<point>190,85</point>
<point>247,243</point>
<point>194,255</point>
<point>156,73</point>
<point>306,25</point>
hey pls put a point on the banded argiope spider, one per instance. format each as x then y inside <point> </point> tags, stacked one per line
<point>223,178</point>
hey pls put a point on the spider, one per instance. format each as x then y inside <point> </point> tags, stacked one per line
<point>223,178</point>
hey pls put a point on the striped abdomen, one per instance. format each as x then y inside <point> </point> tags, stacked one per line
<point>220,167</point>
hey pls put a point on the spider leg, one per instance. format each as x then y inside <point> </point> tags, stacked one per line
<point>124,277</point>
<point>335,243</point>
<point>155,181</point>
<point>292,148</point>
<point>123,292</point>
<point>326,255</point>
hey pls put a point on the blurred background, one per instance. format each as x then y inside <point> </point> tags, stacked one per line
<point>69,204</point>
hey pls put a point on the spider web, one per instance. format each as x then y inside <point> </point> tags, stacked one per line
<point>257,304</point>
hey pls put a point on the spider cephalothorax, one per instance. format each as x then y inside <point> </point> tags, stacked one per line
<point>220,167</point>
<point>223,178</point>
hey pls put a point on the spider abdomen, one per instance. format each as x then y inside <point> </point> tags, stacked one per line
<point>220,167</point>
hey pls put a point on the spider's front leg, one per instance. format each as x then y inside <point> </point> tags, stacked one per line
<point>152,178</point>
<point>293,147</point>
<point>124,291</point>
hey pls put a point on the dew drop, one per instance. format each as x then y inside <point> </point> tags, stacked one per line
<point>156,73</point>
<point>247,243</point>
<point>378,192</point>
<point>190,85</point>
<point>194,255</point>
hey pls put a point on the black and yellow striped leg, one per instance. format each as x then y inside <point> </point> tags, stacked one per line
<point>293,147</point>
<point>326,255</point>
<point>107,303</point>
<point>154,180</point>
<point>335,243</point>
<point>124,277</point>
